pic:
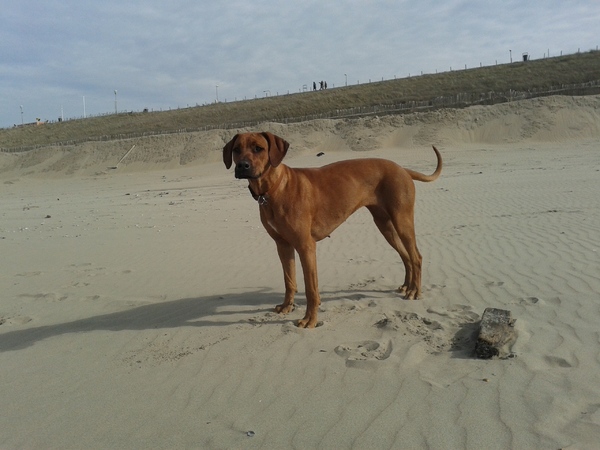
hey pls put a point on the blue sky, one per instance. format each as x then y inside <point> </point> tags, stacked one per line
<point>161,55</point>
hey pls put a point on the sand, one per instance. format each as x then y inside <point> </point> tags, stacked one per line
<point>136,303</point>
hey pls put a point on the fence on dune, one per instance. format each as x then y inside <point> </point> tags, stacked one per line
<point>461,100</point>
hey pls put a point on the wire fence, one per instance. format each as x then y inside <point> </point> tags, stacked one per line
<point>461,100</point>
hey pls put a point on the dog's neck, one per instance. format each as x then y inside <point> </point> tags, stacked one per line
<point>262,198</point>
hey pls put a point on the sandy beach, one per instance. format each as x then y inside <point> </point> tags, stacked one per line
<point>136,306</point>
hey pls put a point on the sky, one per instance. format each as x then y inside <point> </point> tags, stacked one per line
<point>66,58</point>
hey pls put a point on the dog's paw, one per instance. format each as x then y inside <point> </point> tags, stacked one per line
<point>308,322</point>
<point>409,293</point>
<point>285,309</point>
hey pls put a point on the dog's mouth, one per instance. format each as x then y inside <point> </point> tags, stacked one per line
<point>245,175</point>
<point>242,175</point>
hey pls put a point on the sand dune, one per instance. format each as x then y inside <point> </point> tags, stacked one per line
<point>136,305</point>
<point>544,120</point>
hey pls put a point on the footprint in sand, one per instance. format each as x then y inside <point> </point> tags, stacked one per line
<point>50,296</point>
<point>555,361</point>
<point>362,283</point>
<point>359,353</point>
<point>17,320</point>
<point>529,300</point>
<point>458,314</point>
<point>29,274</point>
<point>555,301</point>
<point>441,330</point>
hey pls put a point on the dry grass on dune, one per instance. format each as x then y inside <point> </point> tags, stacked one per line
<point>520,76</point>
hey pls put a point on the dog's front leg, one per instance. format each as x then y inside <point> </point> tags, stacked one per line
<point>287,257</point>
<point>308,258</point>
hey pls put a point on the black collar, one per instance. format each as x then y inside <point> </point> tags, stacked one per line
<point>259,198</point>
<point>262,198</point>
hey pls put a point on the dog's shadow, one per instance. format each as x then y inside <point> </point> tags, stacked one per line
<point>195,312</point>
<point>217,310</point>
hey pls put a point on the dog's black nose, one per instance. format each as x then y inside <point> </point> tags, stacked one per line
<point>243,165</point>
<point>243,169</point>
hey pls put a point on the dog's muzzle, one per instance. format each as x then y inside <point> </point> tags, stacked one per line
<point>243,169</point>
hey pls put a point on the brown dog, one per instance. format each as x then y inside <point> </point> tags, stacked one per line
<point>299,207</point>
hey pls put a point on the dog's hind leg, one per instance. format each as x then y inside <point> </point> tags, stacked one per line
<point>387,229</point>
<point>405,227</point>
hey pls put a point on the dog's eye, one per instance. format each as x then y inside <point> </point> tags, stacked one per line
<point>258,149</point>
<point>236,150</point>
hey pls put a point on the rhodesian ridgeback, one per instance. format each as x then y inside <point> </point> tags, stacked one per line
<point>299,207</point>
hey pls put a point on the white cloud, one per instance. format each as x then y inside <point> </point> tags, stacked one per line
<point>167,54</point>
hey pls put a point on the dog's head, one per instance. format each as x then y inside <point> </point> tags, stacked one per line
<point>254,153</point>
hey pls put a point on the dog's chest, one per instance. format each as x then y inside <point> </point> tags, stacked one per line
<point>268,218</point>
<point>274,220</point>
<point>273,226</point>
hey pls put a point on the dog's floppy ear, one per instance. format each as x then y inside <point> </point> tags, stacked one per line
<point>227,152</point>
<point>278,147</point>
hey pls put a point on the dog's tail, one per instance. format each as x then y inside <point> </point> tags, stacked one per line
<point>418,176</point>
